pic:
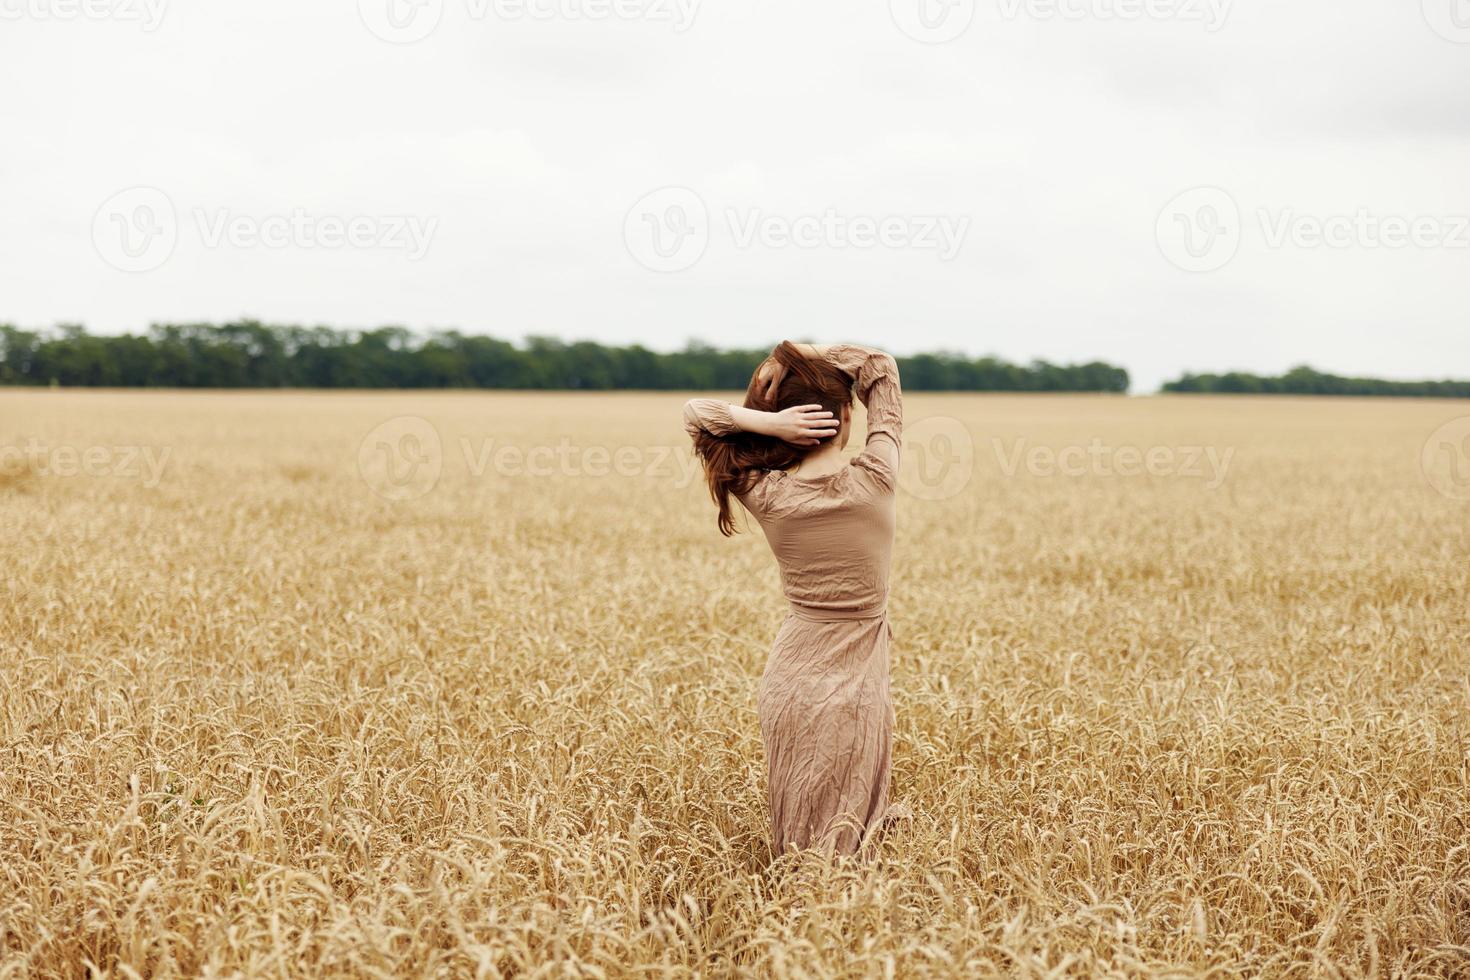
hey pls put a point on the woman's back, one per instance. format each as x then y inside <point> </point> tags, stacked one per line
<point>832,535</point>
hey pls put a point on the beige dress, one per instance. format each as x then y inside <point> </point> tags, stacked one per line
<point>825,711</point>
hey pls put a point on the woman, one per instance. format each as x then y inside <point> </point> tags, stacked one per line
<point>825,712</point>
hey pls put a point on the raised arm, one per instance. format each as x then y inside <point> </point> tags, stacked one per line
<point>875,380</point>
<point>708,415</point>
<point>803,425</point>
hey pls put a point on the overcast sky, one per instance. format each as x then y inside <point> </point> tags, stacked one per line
<point>1165,184</point>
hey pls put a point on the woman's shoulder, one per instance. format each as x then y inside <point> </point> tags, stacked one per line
<point>875,469</point>
<point>757,489</point>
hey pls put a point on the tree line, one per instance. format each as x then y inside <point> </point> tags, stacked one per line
<point>249,354</point>
<point>1307,381</point>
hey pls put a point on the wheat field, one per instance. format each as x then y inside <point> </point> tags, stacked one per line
<point>463,684</point>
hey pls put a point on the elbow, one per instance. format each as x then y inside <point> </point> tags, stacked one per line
<point>691,418</point>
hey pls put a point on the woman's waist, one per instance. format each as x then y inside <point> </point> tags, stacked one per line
<point>825,613</point>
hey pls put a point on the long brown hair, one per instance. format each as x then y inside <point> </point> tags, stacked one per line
<point>733,463</point>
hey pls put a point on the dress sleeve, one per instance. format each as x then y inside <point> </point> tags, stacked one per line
<point>875,376</point>
<point>708,415</point>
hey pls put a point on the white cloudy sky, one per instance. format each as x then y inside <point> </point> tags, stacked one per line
<point>525,141</point>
